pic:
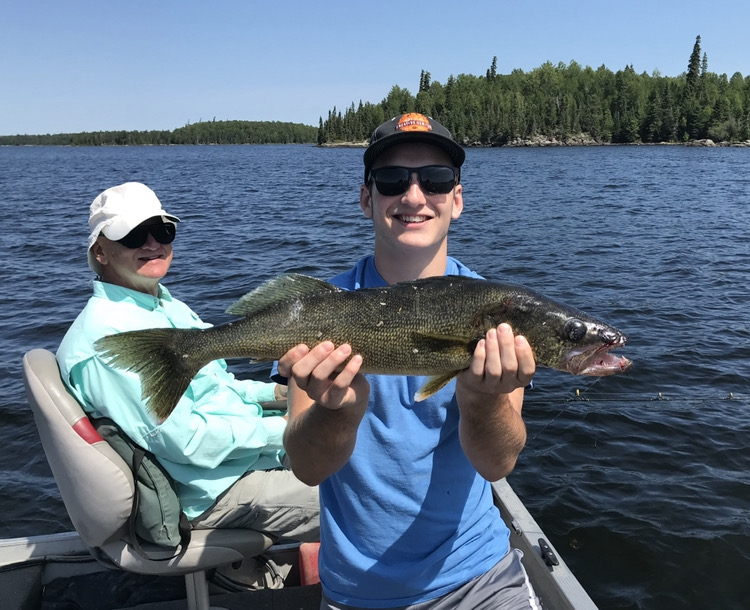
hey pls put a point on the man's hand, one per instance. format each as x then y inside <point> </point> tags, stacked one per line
<point>501,364</point>
<point>321,373</point>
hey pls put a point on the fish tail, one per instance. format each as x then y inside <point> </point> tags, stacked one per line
<point>164,358</point>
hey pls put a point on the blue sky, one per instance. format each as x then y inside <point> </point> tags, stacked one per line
<point>70,66</point>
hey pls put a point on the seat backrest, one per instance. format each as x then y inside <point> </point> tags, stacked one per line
<point>95,483</point>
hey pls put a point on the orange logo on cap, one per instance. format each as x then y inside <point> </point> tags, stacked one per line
<point>414,122</point>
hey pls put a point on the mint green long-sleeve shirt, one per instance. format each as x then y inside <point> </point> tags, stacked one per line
<point>217,431</point>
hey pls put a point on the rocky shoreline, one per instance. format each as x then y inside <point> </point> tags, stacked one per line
<point>586,140</point>
<point>551,141</point>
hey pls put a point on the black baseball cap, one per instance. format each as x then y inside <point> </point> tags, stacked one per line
<point>411,127</point>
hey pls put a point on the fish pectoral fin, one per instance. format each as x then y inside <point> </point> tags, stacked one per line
<point>434,385</point>
<point>445,344</point>
<point>278,289</point>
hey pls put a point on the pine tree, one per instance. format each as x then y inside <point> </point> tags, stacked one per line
<point>492,72</point>
<point>694,65</point>
<point>692,98</point>
<point>424,81</point>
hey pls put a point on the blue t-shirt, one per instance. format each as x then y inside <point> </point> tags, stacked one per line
<point>408,518</point>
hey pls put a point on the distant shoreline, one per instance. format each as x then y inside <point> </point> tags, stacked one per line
<point>544,142</point>
<point>536,142</point>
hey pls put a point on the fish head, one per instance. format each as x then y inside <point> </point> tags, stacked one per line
<point>584,348</point>
<point>561,337</point>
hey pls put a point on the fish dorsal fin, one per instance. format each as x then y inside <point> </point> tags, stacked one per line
<point>279,289</point>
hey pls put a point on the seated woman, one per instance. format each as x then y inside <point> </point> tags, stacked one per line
<point>225,457</point>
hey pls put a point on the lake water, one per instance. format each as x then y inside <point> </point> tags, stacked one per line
<point>642,481</point>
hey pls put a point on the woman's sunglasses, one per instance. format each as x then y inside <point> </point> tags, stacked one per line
<point>433,179</point>
<point>163,233</point>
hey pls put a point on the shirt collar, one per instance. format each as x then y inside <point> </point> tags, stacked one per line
<point>116,293</point>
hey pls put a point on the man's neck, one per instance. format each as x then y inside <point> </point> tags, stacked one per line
<point>147,286</point>
<point>405,267</point>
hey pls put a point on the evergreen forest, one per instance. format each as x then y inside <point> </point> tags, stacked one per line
<point>564,104</point>
<point>204,132</point>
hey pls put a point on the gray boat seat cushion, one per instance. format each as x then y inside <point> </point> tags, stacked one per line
<point>96,485</point>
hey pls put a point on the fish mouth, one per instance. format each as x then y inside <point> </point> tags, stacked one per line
<point>599,362</point>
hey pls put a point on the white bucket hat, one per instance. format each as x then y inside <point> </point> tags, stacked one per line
<point>120,209</point>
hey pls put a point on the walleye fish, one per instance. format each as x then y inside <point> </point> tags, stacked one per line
<point>424,327</point>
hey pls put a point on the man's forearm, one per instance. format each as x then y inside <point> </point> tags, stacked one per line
<point>493,435</point>
<point>319,441</point>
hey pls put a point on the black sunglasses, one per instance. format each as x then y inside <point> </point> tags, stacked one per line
<point>163,233</point>
<point>433,179</point>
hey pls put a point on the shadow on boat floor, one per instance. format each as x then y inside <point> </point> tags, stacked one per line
<point>117,590</point>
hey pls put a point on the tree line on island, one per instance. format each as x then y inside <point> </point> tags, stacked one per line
<point>566,104</point>
<point>203,132</point>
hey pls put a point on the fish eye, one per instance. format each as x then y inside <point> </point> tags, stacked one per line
<point>574,329</point>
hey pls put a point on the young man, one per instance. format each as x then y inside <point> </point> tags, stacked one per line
<point>224,455</point>
<point>407,517</point>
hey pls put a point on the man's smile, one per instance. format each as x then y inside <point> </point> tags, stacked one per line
<point>411,218</point>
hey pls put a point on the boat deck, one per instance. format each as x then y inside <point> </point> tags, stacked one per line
<point>57,573</point>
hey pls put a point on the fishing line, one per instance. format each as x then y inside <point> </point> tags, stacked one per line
<point>569,401</point>
<point>629,398</point>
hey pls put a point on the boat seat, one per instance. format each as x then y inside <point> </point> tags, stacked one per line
<point>97,489</point>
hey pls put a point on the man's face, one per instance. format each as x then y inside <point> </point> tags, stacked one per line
<point>413,219</point>
<point>137,268</point>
